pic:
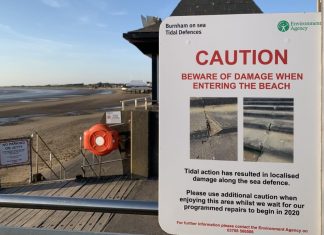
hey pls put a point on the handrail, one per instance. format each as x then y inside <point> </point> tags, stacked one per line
<point>104,162</point>
<point>50,150</point>
<point>38,137</point>
<point>38,155</point>
<point>89,165</point>
<point>85,159</point>
<point>41,231</point>
<point>79,204</point>
<point>135,100</point>
<point>140,98</point>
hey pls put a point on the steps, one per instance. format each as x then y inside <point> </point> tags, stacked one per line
<point>268,129</point>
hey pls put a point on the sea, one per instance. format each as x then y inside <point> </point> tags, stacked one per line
<point>9,95</point>
<point>25,95</point>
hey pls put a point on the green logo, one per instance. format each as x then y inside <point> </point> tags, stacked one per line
<point>283,26</point>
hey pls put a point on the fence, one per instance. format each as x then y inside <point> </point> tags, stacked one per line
<point>73,204</point>
<point>138,102</point>
<point>50,165</point>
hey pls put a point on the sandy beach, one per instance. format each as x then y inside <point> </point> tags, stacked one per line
<point>60,123</point>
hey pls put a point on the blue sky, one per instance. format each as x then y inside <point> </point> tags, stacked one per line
<point>80,41</point>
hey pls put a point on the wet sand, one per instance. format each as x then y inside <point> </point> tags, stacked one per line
<point>61,128</point>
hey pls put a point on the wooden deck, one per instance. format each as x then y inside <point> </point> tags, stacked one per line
<point>116,187</point>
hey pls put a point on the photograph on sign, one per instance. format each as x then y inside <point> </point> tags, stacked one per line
<point>240,124</point>
<point>213,128</point>
<point>268,129</point>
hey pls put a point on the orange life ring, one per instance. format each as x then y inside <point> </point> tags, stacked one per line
<point>100,140</point>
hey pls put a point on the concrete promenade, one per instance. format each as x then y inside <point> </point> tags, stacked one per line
<point>213,129</point>
<point>269,129</point>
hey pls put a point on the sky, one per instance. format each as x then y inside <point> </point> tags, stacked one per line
<point>80,41</point>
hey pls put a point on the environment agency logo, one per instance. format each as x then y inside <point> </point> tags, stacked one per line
<point>283,26</point>
<point>298,26</point>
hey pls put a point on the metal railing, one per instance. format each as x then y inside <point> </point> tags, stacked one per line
<point>41,231</point>
<point>144,100</point>
<point>87,164</point>
<point>80,204</point>
<point>51,157</point>
<point>84,160</point>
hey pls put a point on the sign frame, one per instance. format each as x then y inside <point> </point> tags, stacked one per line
<point>183,205</point>
<point>28,141</point>
<point>113,117</point>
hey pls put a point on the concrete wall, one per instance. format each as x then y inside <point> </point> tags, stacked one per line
<point>153,139</point>
<point>139,142</point>
<point>144,143</point>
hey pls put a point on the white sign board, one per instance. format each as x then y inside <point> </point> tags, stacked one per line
<point>14,152</point>
<point>113,117</point>
<point>240,124</point>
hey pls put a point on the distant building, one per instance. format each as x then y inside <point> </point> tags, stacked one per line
<point>137,86</point>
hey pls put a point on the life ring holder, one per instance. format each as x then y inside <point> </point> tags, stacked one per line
<point>100,139</point>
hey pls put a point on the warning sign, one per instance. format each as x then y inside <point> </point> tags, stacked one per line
<point>113,117</point>
<point>240,124</point>
<point>15,152</point>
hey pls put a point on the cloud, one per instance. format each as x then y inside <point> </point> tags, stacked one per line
<point>98,4</point>
<point>53,3</point>
<point>87,20</point>
<point>118,13</point>
<point>30,42</point>
<point>84,19</point>
<point>101,25</point>
<point>5,28</point>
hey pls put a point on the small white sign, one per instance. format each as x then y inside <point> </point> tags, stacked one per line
<point>14,152</point>
<point>113,117</point>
